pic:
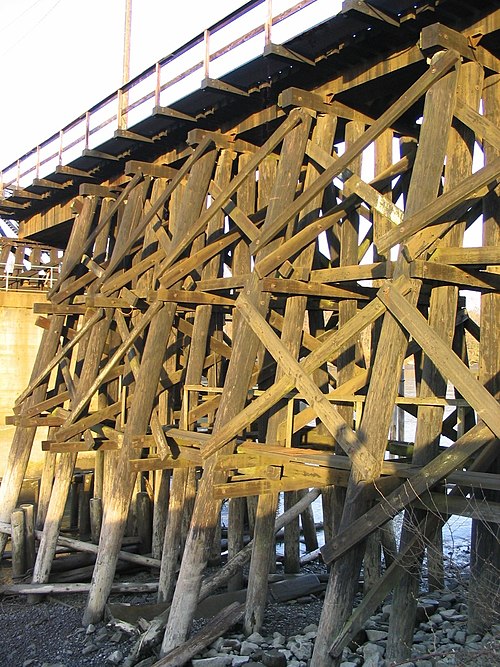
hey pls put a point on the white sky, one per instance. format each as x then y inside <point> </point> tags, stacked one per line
<point>60,57</point>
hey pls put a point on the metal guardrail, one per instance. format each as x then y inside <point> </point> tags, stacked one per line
<point>28,266</point>
<point>16,277</point>
<point>211,54</point>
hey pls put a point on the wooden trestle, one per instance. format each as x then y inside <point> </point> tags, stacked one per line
<point>241,316</point>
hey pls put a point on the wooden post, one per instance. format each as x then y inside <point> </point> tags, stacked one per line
<point>95,505</point>
<point>442,314</point>
<point>294,316</point>
<point>22,442</point>
<point>485,539</point>
<point>292,537</point>
<point>74,500</point>
<point>308,525</point>
<point>29,531</point>
<point>48,472</point>
<point>387,369</point>
<point>144,521</point>
<point>194,193</point>
<point>117,503</point>
<point>160,510</point>
<point>18,541</point>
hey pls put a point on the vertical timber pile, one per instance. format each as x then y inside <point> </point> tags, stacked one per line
<point>485,548</point>
<point>442,316</point>
<point>206,332</point>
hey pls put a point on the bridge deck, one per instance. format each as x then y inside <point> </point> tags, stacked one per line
<point>343,52</point>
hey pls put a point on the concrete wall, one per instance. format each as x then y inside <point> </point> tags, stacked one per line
<point>20,339</point>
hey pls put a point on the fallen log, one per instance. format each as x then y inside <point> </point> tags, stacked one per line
<point>89,547</point>
<point>210,632</point>
<point>52,589</point>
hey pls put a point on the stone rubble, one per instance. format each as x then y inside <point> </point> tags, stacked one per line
<point>440,640</point>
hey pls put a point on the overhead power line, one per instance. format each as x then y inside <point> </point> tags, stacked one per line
<point>31,28</point>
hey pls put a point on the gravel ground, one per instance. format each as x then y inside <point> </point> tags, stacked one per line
<point>49,634</point>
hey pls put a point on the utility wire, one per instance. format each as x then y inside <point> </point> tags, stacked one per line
<point>5,27</point>
<point>30,30</point>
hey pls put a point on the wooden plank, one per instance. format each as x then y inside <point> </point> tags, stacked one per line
<point>258,487</point>
<point>337,274</point>
<point>44,406</point>
<point>195,297</point>
<point>28,422</point>
<point>169,276</point>
<point>213,629</point>
<point>430,236</point>
<point>475,256</point>
<point>118,280</point>
<point>54,309</point>
<point>445,273</point>
<point>437,36</point>
<point>72,286</point>
<point>64,589</point>
<point>78,446</point>
<point>300,287</point>
<point>353,183</point>
<point>443,357</point>
<point>149,169</point>
<point>242,221</point>
<point>482,126</point>
<point>167,463</point>
<point>303,98</point>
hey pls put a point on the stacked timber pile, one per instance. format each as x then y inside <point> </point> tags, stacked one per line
<point>234,323</point>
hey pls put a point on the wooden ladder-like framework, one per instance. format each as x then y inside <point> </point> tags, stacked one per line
<point>235,324</point>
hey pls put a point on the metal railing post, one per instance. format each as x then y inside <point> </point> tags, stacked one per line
<point>87,128</point>
<point>122,105</point>
<point>269,23</point>
<point>206,61</point>
<point>61,133</point>
<point>157,84</point>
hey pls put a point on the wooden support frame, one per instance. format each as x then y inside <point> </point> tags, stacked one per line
<point>212,318</point>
